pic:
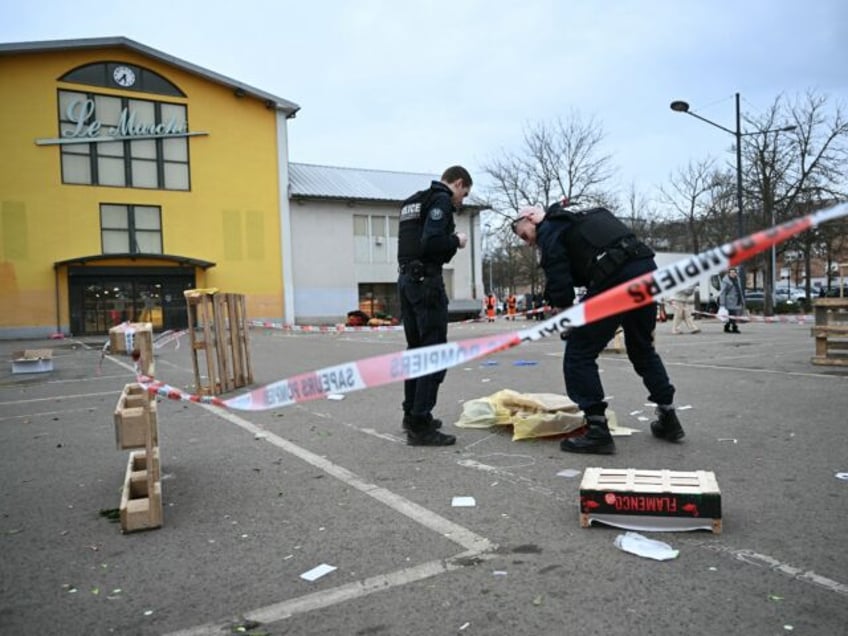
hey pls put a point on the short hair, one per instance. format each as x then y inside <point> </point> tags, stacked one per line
<point>515,222</point>
<point>455,173</point>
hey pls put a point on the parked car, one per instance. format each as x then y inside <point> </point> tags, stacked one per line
<point>790,294</point>
<point>833,292</point>
<point>756,295</point>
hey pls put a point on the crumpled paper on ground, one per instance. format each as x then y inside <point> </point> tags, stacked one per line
<point>530,414</point>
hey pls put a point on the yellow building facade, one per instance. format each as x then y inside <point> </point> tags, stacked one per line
<point>128,176</point>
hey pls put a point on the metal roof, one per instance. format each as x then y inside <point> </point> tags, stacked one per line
<point>290,108</point>
<point>332,182</point>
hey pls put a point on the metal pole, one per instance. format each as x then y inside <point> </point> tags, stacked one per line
<point>491,288</point>
<point>489,250</point>
<point>740,222</point>
<point>772,280</point>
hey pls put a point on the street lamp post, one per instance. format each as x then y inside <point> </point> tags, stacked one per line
<point>491,256</point>
<point>680,106</point>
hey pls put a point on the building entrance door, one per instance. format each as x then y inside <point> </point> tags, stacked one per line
<point>101,301</point>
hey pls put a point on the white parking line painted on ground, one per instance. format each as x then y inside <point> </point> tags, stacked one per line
<point>723,367</point>
<point>762,560</point>
<point>93,378</point>
<point>419,514</point>
<point>475,545</point>
<point>326,598</point>
<point>88,409</point>
<point>61,398</point>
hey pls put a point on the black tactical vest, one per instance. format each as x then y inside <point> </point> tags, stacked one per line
<point>413,217</point>
<point>411,226</point>
<point>597,243</point>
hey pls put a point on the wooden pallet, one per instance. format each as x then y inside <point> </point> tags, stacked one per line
<point>830,331</point>
<point>219,334</point>
<point>662,498</point>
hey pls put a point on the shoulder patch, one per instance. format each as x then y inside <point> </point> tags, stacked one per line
<point>436,214</point>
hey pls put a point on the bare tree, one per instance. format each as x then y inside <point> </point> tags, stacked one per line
<point>791,172</point>
<point>690,193</point>
<point>557,160</point>
<point>641,214</point>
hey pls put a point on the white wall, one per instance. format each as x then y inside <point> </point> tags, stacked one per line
<point>327,271</point>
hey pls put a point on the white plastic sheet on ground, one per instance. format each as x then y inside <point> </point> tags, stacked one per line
<point>530,414</point>
<point>642,546</point>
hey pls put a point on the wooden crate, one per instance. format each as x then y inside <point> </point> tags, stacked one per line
<point>125,337</point>
<point>141,497</point>
<point>830,331</point>
<point>650,499</point>
<point>135,418</point>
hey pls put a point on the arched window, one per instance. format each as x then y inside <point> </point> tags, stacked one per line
<point>122,75</point>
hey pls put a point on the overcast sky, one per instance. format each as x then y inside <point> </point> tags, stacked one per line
<point>418,86</point>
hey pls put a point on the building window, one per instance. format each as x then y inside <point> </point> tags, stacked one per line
<point>375,238</point>
<point>157,163</point>
<point>130,229</point>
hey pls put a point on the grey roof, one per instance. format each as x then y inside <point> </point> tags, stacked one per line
<point>290,108</point>
<point>332,182</point>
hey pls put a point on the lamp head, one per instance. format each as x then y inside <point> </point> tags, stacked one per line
<point>679,106</point>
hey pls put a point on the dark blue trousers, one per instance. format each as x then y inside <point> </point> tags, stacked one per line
<point>584,344</point>
<point>424,311</point>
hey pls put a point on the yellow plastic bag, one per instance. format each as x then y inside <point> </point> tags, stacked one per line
<point>530,414</point>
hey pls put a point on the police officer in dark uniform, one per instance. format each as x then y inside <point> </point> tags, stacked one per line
<point>427,239</point>
<point>593,249</point>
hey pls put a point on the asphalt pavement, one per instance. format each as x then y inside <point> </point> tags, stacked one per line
<point>253,500</point>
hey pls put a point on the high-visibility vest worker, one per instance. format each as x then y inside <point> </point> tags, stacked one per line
<point>491,305</point>
<point>511,304</point>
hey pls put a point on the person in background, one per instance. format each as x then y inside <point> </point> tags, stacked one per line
<point>593,249</point>
<point>684,302</point>
<point>511,305</point>
<point>732,299</point>
<point>491,306</point>
<point>427,239</point>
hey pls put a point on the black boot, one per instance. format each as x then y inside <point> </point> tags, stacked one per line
<point>423,431</point>
<point>727,327</point>
<point>667,426</point>
<point>596,439</point>
<point>408,419</point>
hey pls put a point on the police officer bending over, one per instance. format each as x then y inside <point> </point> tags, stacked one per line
<point>593,249</point>
<point>427,239</point>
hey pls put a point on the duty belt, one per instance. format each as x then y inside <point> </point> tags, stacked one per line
<point>610,260</point>
<point>418,270</point>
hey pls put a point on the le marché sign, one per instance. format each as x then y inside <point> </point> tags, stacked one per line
<point>88,130</point>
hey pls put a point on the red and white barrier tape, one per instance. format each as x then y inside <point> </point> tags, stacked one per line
<point>795,318</point>
<point>648,288</point>
<point>334,329</point>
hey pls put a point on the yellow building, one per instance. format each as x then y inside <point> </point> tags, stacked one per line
<point>127,176</point>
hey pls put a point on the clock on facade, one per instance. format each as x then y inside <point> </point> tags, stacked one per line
<point>123,76</point>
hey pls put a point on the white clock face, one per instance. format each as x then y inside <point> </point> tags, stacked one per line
<point>124,76</point>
